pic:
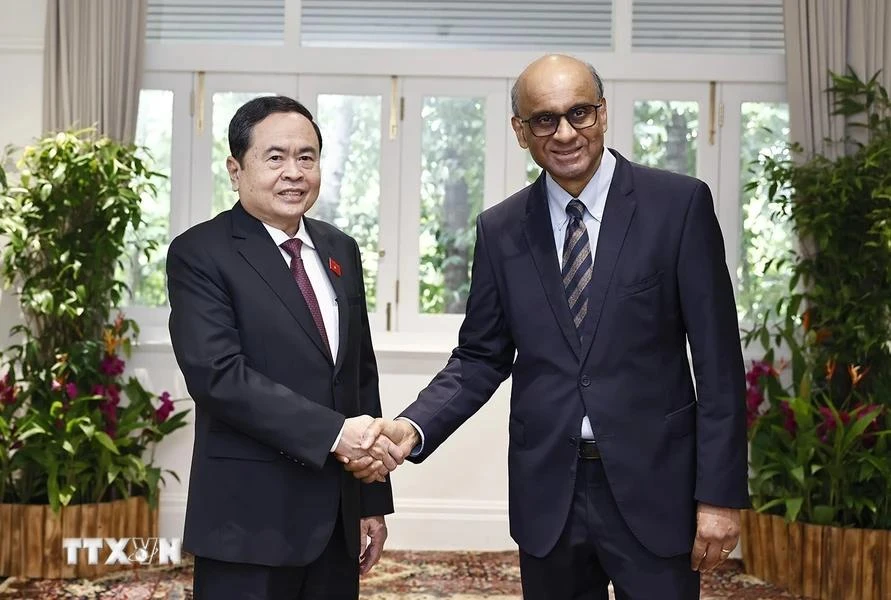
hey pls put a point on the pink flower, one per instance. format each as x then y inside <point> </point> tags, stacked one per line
<point>831,422</point>
<point>57,385</point>
<point>754,399</point>
<point>112,365</point>
<point>759,369</point>
<point>163,411</point>
<point>8,393</point>
<point>71,391</point>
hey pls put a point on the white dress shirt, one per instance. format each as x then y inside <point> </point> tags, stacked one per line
<point>594,199</point>
<point>321,285</point>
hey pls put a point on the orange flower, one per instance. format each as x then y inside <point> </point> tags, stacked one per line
<point>857,373</point>
<point>830,369</point>
<point>806,320</point>
<point>111,341</point>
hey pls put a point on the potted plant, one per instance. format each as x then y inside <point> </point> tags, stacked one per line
<point>819,418</point>
<point>76,435</point>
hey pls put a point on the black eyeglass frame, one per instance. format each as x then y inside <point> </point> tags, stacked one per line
<point>560,116</point>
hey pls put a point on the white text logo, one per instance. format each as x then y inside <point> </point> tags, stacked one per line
<point>125,551</point>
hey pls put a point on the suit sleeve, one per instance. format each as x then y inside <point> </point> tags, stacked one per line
<point>709,314</point>
<point>375,498</point>
<point>205,338</point>
<point>480,363</point>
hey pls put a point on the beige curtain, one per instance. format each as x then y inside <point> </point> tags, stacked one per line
<point>830,35</point>
<point>93,65</point>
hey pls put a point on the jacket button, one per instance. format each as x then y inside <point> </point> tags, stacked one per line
<point>585,381</point>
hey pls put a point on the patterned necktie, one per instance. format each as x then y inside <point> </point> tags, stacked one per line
<point>292,247</point>
<point>577,263</point>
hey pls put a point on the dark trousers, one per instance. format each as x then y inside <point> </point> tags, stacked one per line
<point>596,548</point>
<point>332,576</point>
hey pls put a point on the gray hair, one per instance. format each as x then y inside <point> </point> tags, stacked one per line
<point>515,90</point>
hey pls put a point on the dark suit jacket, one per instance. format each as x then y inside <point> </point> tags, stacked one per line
<point>264,488</point>
<point>659,278</point>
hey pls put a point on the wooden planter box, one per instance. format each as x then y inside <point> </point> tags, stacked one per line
<point>822,562</point>
<point>31,542</point>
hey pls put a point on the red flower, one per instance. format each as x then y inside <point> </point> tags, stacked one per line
<point>759,369</point>
<point>112,365</point>
<point>8,392</point>
<point>831,422</point>
<point>163,411</point>
<point>109,406</point>
<point>754,399</point>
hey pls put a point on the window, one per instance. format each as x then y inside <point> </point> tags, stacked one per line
<point>258,22</point>
<point>716,25</point>
<point>530,24</point>
<point>665,134</point>
<point>144,271</point>
<point>351,189</point>
<point>762,279</point>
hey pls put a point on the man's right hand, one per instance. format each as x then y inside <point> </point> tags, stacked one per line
<point>378,454</point>
<point>400,435</point>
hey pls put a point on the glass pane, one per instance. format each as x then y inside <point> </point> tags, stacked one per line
<point>224,106</point>
<point>145,272</point>
<point>351,191</point>
<point>532,169</point>
<point>453,145</point>
<point>665,134</point>
<point>765,130</point>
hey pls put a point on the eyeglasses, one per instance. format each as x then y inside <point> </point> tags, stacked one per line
<point>580,117</point>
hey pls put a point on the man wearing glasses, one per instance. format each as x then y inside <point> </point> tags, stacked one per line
<point>587,286</point>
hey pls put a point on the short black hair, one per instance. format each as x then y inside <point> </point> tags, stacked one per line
<point>252,112</point>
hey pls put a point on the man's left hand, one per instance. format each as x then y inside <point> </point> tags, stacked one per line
<point>373,532</point>
<point>717,533</point>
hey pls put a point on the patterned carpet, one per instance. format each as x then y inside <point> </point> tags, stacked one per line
<point>399,576</point>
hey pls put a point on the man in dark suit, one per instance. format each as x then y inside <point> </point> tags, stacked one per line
<point>270,329</point>
<point>587,286</point>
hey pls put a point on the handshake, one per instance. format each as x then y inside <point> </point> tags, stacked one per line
<point>372,448</point>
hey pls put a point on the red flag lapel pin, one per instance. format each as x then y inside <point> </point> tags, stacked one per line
<point>334,266</point>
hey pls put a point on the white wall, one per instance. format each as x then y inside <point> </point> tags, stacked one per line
<point>21,70</point>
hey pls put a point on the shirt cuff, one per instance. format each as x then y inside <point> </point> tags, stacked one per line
<point>337,440</point>
<point>416,451</point>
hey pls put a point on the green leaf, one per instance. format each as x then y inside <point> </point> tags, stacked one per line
<point>793,508</point>
<point>798,474</point>
<point>106,441</point>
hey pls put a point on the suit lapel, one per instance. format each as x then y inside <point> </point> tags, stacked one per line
<point>540,237</point>
<point>324,248</point>
<point>253,242</point>
<point>617,213</point>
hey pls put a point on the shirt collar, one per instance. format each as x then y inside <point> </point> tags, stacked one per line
<point>280,237</point>
<point>593,196</point>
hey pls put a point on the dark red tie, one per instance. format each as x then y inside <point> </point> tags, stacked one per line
<point>292,247</point>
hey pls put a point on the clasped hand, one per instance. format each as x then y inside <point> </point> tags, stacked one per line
<point>372,448</point>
